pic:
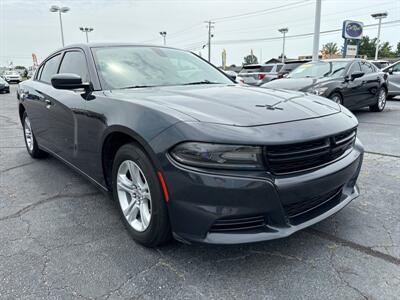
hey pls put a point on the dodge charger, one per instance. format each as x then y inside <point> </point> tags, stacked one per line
<point>184,151</point>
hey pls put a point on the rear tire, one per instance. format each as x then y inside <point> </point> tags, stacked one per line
<point>138,192</point>
<point>337,98</point>
<point>30,140</point>
<point>381,101</point>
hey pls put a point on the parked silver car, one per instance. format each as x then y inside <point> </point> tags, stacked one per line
<point>260,74</point>
<point>394,79</point>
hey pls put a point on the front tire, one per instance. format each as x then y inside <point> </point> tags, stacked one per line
<point>381,101</point>
<point>30,140</point>
<point>337,98</point>
<point>137,190</point>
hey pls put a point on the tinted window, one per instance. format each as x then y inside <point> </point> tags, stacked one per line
<point>50,68</point>
<point>266,69</point>
<point>74,62</point>
<point>319,69</point>
<point>129,66</point>
<point>251,69</point>
<point>396,68</point>
<point>367,68</point>
<point>291,67</point>
<point>279,67</point>
<point>355,67</point>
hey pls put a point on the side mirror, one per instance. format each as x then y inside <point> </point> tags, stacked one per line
<point>390,71</point>
<point>67,81</point>
<point>356,74</point>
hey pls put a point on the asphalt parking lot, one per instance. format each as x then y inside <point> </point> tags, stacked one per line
<point>62,238</point>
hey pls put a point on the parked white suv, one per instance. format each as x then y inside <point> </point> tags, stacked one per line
<point>260,74</point>
<point>12,76</point>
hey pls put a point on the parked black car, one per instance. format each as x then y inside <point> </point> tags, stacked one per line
<point>289,66</point>
<point>184,150</point>
<point>354,83</point>
<point>4,86</point>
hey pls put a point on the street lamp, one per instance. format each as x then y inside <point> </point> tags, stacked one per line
<point>60,10</point>
<point>379,16</point>
<point>86,30</point>
<point>164,35</point>
<point>283,31</point>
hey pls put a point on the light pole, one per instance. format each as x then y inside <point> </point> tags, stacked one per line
<point>60,10</point>
<point>379,16</point>
<point>283,31</point>
<point>86,30</point>
<point>164,35</point>
<point>317,27</point>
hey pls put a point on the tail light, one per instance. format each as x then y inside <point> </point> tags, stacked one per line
<point>261,76</point>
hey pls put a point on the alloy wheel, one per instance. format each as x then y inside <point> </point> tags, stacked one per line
<point>134,195</point>
<point>382,99</point>
<point>336,99</point>
<point>28,134</point>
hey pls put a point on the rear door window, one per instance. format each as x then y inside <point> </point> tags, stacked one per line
<point>50,68</point>
<point>367,67</point>
<point>266,69</point>
<point>355,67</point>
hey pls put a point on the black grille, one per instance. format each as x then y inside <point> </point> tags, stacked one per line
<point>238,224</point>
<point>285,159</point>
<point>296,209</point>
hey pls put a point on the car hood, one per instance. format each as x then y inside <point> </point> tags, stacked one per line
<point>232,104</point>
<point>295,84</point>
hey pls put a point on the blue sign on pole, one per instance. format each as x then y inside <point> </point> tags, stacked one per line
<point>351,30</point>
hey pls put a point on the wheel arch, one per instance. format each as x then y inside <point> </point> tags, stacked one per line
<point>21,110</point>
<point>114,138</point>
<point>337,91</point>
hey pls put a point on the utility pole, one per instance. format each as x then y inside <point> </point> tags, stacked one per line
<point>317,27</point>
<point>379,16</point>
<point>283,31</point>
<point>210,35</point>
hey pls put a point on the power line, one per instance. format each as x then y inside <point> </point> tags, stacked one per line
<point>259,12</point>
<point>293,36</point>
<point>307,20</point>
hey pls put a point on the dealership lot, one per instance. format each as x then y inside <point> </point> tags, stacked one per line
<point>61,238</point>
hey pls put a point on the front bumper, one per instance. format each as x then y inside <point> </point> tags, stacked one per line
<point>199,199</point>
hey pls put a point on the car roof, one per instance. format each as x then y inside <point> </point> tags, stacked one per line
<point>288,62</point>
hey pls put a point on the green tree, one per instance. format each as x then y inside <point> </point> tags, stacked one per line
<point>329,49</point>
<point>367,46</point>
<point>250,59</point>
<point>398,49</point>
<point>385,51</point>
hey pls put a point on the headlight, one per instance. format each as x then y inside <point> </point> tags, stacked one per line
<point>6,84</point>
<point>318,90</point>
<point>218,156</point>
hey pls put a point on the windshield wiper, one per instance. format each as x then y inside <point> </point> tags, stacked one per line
<point>201,82</point>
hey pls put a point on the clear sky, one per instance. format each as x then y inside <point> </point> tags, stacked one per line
<point>28,27</point>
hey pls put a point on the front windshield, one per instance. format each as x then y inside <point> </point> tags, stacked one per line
<point>138,66</point>
<point>319,69</point>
